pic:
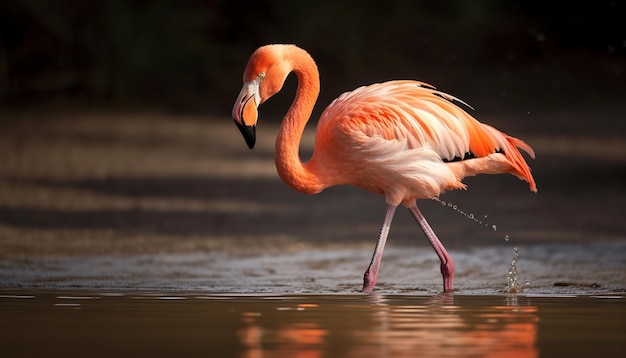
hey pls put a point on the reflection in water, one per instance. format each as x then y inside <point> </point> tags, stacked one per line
<point>300,340</point>
<point>393,327</point>
<point>153,324</point>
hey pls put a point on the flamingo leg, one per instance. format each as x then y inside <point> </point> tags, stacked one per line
<point>371,274</point>
<point>447,264</point>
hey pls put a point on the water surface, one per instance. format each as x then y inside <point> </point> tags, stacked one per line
<point>551,268</point>
<point>113,323</point>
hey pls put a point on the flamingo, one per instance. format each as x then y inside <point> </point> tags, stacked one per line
<point>402,139</point>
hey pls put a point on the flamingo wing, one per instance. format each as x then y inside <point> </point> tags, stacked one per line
<point>413,128</point>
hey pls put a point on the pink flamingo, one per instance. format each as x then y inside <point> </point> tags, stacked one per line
<point>404,140</point>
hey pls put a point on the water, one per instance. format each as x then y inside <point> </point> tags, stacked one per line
<point>307,304</point>
<point>512,280</point>
<point>513,284</point>
<point>558,268</point>
<point>470,216</point>
<point>140,323</point>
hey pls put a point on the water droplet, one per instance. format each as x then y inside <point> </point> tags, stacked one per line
<point>527,283</point>
<point>443,203</point>
<point>506,237</point>
<point>494,228</point>
<point>513,284</point>
<point>471,216</point>
<point>450,204</point>
<point>454,207</point>
<point>485,216</point>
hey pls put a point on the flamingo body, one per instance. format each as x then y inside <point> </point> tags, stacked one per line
<point>397,139</point>
<point>393,138</point>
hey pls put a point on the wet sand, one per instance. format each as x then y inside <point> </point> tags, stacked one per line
<point>596,268</point>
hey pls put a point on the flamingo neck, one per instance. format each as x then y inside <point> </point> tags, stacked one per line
<point>300,176</point>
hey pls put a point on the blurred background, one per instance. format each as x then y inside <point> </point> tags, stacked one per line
<point>189,55</point>
<point>116,137</point>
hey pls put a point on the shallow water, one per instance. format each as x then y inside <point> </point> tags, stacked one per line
<point>107,323</point>
<point>563,268</point>
<point>306,303</point>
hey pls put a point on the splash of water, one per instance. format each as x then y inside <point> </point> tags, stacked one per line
<point>513,284</point>
<point>469,216</point>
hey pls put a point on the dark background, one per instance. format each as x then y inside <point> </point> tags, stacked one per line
<point>500,56</point>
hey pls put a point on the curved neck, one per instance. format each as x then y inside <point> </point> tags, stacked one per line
<point>299,176</point>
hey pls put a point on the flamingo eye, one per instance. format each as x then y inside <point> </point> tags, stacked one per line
<point>261,75</point>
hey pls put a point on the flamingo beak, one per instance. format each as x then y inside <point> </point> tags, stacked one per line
<point>245,111</point>
<point>248,133</point>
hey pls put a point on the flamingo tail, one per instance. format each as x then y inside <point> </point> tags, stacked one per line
<point>519,166</point>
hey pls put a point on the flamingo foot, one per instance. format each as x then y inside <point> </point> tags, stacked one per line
<point>447,264</point>
<point>369,280</point>
<point>371,274</point>
<point>447,272</point>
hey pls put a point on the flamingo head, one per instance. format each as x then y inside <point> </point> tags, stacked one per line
<point>263,77</point>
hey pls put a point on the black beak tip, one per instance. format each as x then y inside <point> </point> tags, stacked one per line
<point>249,134</point>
